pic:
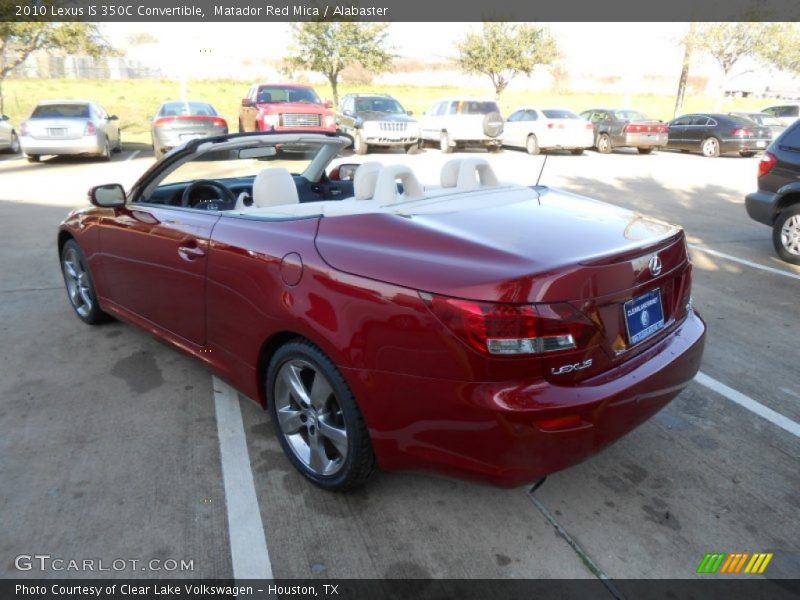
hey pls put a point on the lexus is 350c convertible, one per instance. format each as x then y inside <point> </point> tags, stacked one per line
<point>481,329</point>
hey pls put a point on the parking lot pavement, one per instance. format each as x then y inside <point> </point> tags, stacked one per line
<point>110,449</point>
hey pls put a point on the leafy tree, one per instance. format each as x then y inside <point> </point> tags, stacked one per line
<point>505,50</point>
<point>783,51</point>
<point>331,47</point>
<point>19,40</point>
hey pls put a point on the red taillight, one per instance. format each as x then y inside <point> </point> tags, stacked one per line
<point>555,125</point>
<point>633,128</point>
<point>90,129</point>
<point>512,329</point>
<point>590,126</point>
<point>219,122</point>
<point>742,132</point>
<point>215,121</point>
<point>767,162</point>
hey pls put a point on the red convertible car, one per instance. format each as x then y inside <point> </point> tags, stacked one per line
<point>477,328</point>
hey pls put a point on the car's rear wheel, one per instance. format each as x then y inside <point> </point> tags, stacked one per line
<point>444,143</point>
<point>14,147</point>
<point>747,154</point>
<point>33,158</point>
<point>106,154</point>
<point>79,284</point>
<point>316,418</point>
<point>710,147</point>
<point>577,151</point>
<point>412,148</point>
<point>241,127</point>
<point>786,235</point>
<point>645,150</point>
<point>604,145</point>
<point>360,147</point>
<point>532,145</point>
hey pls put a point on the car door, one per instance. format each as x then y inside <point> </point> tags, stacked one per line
<point>346,118</point>
<point>676,132</point>
<point>512,132</point>
<point>154,265</point>
<point>699,129</point>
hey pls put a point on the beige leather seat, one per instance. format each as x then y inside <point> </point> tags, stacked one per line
<point>468,173</point>
<point>272,187</point>
<point>364,180</point>
<point>386,185</point>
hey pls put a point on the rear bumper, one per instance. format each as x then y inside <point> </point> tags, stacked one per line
<point>760,206</point>
<point>646,140</point>
<point>738,145</point>
<point>488,431</point>
<point>166,140</point>
<point>82,145</point>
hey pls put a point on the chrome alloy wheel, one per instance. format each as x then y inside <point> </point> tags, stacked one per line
<point>77,280</point>
<point>790,235</point>
<point>310,418</point>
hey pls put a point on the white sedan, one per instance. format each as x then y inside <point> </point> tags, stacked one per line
<point>537,129</point>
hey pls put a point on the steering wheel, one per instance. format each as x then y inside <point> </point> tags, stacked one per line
<point>224,192</point>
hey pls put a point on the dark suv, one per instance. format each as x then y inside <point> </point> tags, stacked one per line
<point>777,201</point>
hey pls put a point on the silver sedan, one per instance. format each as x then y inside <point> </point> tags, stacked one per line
<point>9,142</point>
<point>70,127</point>
<point>178,121</point>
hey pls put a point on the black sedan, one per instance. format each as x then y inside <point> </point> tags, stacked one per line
<point>713,134</point>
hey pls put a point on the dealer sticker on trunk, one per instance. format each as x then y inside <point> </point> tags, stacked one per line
<point>644,315</point>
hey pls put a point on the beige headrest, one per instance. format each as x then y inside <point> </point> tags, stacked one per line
<point>365,179</point>
<point>386,185</point>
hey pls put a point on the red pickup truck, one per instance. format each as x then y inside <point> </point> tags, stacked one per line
<point>285,107</point>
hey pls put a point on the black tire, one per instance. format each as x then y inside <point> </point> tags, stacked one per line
<point>532,145</point>
<point>747,154</point>
<point>576,151</point>
<point>118,147</point>
<point>84,304</point>
<point>604,145</point>
<point>412,148</point>
<point>787,244</point>
<point>359,464</point>
<point>14,147</point>
<point>645,150</point>
<point>106,155</point>
<point>32,158</point>
<point>444,143</point>
<point>710,147</point>
<point>493,124</point>
<point>241,129</point>
<point>360,147</point>
<point>494,148</point>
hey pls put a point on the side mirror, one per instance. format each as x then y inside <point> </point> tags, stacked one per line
<point>247,103</point>
<point>328,104</point>
<point>409,112</point>
<point>107,196</point>
<point>113,118</point>
<point>344,172</point>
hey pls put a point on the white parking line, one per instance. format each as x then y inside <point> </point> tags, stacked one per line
<point>133,155</point>
<point>742,261</point>
<point>745,401</point>
<point>249,553</point>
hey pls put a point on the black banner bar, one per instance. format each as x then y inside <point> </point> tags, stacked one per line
<point>712,588</point>
<point>398,10</point>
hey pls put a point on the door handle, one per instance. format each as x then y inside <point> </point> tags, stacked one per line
<point>190,253</point>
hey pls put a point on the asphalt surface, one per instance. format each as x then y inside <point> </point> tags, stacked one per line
<point>109,446</point>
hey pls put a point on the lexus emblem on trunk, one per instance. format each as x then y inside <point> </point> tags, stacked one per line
<point>655,266</point>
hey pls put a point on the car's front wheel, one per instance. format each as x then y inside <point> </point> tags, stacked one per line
<point>710,147</point>
<point>645,150</point>
<point>577,151</point>
<point>315,416</point>
<point>79,284</point>
<point>532,145</point>
<point>786,235</point>
<point>747,154</point>
<point>444,143</point>
<point>32,158</point>
<point>360,147</point>
<point>106,153</point>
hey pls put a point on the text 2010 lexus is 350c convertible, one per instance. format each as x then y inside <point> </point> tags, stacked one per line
<point>481,329</point>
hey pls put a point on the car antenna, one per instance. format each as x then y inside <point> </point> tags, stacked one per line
<point>544,162</point>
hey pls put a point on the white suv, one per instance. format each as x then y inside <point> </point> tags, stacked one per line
<point>463,122</point>
<point>785,113</point>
